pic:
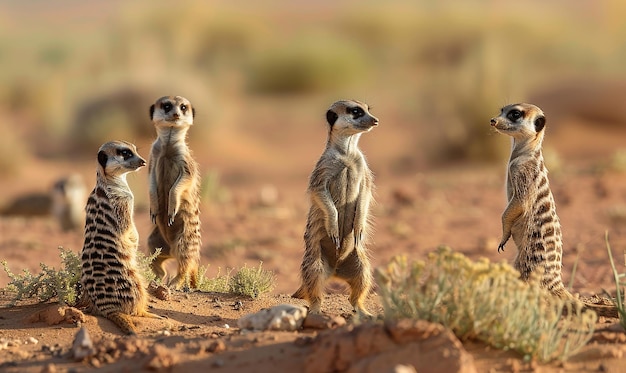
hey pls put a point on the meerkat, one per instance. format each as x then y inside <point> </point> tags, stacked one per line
<point>530,216</point>
<point>111,284</point>
<point>68,201</point>
<point>174,192</point>
<point>340,192</point>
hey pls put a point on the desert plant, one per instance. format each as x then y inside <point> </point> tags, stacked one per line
<point>219,284</point>
<point>49,283</point>
<point>63,283</point>
<point>252,281</point>
<point>143,262</point>
<point>619,285</point>
<point>485,301</point>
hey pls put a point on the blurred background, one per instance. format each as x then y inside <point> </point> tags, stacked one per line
<point>261,74</point>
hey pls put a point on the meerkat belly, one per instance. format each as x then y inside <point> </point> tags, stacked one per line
<point>107,278</point>
<point>169,170</point>
<point>347,193</point>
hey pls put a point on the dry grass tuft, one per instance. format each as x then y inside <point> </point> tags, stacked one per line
<point>485,301</point>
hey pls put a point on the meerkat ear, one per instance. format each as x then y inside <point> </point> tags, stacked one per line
<point>331,117</point>
<point>102,159</point>
<point>151,111</point>
<point>193,112</point>
<point>540,123</point>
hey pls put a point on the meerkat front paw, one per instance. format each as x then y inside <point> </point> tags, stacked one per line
<point>501,245</point>
<point>333,233</point>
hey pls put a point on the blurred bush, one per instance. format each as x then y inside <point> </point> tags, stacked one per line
<point>306,64</point>
<point>450,67</point>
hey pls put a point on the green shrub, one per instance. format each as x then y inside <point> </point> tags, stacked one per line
<point>251,282</point>
<point>218,284</point>
<point>487,302</point>
<point>143,262</point>
<point>49,283</point>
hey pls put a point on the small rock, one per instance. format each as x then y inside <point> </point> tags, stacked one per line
<point>32,341</point>
<point>284,317</point>
<point>159,291</point>
<point>56,314</point>
<point>82,346</point>
<point>216,346</point>
<point>319,321</point>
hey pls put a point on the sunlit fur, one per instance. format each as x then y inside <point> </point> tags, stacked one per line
<point>530,216</point>
<point>111,284</point>
<point>337,228</point>
<point>174,192</point>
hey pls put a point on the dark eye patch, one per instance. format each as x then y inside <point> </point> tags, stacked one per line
<point>166,106</point>
<point>125,153</point>
<point>514,115</point>
<point>356,112</point>
<point>183,108</point>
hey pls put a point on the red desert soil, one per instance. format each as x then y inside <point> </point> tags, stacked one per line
<point>418,209</point>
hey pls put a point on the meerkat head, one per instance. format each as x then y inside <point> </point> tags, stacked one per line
<point>118,158</point>
<point>350,117</point>
<point>172,111</point>
<point>520,121</point>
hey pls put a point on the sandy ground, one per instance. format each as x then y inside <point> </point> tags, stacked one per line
<point>260,217</point>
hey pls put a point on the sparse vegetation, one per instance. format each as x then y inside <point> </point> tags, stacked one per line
<point>49,283</point>
<point>143,262</point>
<point>620,285</point>
<point>485,301</point>
<point>251,282</point>
<point>63,283</point>
<point>219,284</point>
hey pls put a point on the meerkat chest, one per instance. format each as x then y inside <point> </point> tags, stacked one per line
<point>170,164</point>
<point>348,180</point>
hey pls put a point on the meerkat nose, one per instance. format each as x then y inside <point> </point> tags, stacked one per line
<point>493,121</point>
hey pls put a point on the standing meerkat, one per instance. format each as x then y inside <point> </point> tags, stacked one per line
<point>111,284</point>
<point>340,191</point>
<point>174,191</point>
<point>530,216</point>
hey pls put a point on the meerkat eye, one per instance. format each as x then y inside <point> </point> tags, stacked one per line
<point>125,153</point>
<point>514,115</point>
<point>183,108</point>
<point>356,112</point>
<point>166,107</point>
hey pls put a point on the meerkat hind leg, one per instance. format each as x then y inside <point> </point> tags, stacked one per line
<point>315,272</point>
<point>155,241</point>
<point>187,273</point>
<point>356,271</point>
